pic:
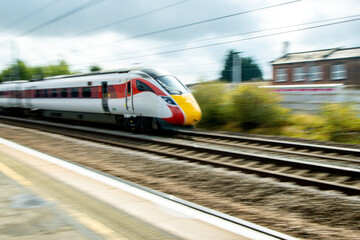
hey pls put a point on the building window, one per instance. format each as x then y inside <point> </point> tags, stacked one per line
<point>299,74</point>
<point>315,73</point>
<point>281,75</point>
<point>338,71</point>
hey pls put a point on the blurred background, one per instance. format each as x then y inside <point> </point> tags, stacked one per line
<point>189,38</point>
<point>302,56</point>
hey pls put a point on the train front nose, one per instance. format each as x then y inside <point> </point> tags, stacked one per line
<point>190,108</point>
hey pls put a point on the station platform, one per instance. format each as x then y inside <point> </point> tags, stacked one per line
<point>42,200</point>
<point>43,197</point>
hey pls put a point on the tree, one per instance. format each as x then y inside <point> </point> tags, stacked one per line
<point>249,68</point>
<point>95,68</point>
<point>19,71</point>
<point>62,68</point>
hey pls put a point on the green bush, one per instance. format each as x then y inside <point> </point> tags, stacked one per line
<point>256,110</point>
<point>302,125</point>
<point>342,122</point>
<point>211,98</point>
<point>254,107</point>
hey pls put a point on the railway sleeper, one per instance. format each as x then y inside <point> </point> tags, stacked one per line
<point>340,179</point>
<point>200,155</point>
<point>212,157</point>
<point>284,169</point>
<point>225,159</point>
<point>239,161</point>
<point>300,172</point>
<point>250,164</point>
<point>354,183</point>
<point>269,166</point>
<point>322,175</point>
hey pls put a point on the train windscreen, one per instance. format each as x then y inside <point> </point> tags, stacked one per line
<point>172,85</point>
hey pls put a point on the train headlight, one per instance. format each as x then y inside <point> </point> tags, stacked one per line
<point>168,100</point>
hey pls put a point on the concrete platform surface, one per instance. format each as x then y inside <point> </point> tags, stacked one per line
<point>42,200</point>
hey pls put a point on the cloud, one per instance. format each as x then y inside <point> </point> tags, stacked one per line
<point>63,39</point>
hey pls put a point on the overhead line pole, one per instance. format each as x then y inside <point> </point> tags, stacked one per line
<point>15,71</point>
<point>236,67</point>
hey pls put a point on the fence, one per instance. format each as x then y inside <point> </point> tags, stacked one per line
<point>310,98</point>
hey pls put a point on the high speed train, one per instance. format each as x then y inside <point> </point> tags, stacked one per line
<point>144,98</point>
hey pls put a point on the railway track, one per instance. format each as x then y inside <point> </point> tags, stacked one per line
<point>323,176</point>
<point>328,153</point>
<point>113,219</point>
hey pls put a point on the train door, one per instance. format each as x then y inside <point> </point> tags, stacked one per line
<point>18,96</point>
<point>129,98</point>
<point>28,97</point>
<point>105,96</point>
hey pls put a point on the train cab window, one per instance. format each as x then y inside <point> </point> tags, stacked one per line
<point>74,92</point>
<point>141,86</point>
<point>172,85</point>
<point>86,92</point>
<point>54,93</point>
<point>64,92</point>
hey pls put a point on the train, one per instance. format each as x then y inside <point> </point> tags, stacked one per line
<point>142,99</point>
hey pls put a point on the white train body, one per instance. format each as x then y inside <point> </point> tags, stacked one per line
<point>150,93</point>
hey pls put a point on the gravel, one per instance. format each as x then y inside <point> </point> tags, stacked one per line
<point>302,212</point>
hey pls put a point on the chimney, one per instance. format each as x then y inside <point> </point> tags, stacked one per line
<point>285,47</point>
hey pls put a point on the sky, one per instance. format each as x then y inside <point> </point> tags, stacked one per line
<point>188,38</point>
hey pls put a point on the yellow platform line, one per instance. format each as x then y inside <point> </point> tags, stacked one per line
<point>81,217</point>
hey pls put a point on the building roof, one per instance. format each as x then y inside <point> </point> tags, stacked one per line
<point>318,55</point>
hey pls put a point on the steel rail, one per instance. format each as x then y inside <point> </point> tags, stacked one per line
<point>147,144</point>
<point>273,142</point>
<point>149,193</point>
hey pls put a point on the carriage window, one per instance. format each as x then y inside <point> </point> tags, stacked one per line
<point>74,92</point>
<point>45,93</point>
<point>37,93</point>
<point>141,86</point>
<point>54,93</point>
<point>86,92</point>
<point>64,92</point>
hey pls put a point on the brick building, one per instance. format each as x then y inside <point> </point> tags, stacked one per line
<point>337,65</point>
